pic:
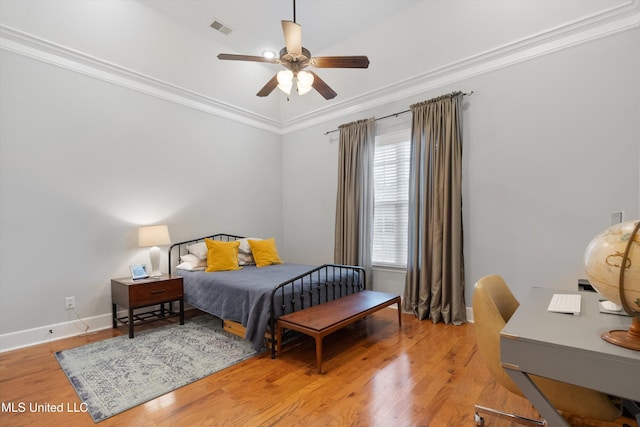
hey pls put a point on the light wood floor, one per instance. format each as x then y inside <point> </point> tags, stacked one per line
<point>375,375</point>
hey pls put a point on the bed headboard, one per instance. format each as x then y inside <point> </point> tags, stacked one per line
<point>178,249</point>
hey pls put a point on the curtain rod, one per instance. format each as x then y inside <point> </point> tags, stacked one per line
<point>393,115</point>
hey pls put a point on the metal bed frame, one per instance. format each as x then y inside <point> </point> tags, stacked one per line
<point>298,292</point>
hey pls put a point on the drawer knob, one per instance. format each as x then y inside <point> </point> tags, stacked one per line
<point>158,291</point>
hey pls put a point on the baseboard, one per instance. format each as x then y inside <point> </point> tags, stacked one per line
<point>58,331</point>
<point>48,333</point>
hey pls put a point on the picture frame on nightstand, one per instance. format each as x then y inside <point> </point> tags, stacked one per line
<point>138,271</point>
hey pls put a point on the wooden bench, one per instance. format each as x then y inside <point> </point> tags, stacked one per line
<point>321,320</point>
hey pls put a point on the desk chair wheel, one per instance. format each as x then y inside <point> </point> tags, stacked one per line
<point>478,419</point>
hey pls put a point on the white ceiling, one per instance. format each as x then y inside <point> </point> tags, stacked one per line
<point>402,38</point>
<point>407,41</point>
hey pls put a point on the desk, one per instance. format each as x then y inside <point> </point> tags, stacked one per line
<point>567,348</point>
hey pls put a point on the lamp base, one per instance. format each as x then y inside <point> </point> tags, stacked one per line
<point>154,257</point>
<point>627,339</point>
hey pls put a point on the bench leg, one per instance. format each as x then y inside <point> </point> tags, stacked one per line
<point>319,353</point>
<point>399,314</point>
<point>278,339</point>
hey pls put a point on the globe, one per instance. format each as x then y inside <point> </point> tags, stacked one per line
<point>612,263</point>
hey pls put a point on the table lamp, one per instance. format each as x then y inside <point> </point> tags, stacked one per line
<point>154,236</point>
<point>612,262</point>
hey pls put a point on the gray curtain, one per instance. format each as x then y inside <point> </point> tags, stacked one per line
<point>435,267</point>
<point>354,203</point>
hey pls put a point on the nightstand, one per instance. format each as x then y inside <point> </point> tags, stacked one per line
<point>134,294</point>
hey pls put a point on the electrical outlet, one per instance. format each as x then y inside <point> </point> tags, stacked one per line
<point>616,217</point>
<point>70,302</point>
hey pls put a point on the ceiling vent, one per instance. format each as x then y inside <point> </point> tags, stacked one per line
<point>219,26</point>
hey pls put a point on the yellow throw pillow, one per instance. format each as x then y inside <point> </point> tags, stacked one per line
<point>264,252</point>
<point>222,256</point>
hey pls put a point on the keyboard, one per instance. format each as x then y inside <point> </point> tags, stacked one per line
<point>565,303</point>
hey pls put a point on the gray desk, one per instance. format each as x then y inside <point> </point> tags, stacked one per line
<point>567,348</point>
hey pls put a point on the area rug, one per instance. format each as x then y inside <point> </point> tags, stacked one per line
<point>117,374</point>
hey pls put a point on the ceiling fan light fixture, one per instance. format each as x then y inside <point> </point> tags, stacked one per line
<point>305,82</point>
<point>295,58</point>
<point>285,81</point>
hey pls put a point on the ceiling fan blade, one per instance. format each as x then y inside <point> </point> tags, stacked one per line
<point>360,61</point>
<point>322,87</point>
<point>292,37</point>
<point>232,57</point>
<point>269,87</point>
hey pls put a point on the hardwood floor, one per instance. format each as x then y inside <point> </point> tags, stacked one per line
<point>374,375</point>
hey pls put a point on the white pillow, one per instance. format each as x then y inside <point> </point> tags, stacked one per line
<point>188,266</point>
<point>244,244</point>
<point>199,250</point>
<point>193,260</point>
<point>245,259</point>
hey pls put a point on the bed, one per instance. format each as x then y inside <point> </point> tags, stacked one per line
<point>256,296</point>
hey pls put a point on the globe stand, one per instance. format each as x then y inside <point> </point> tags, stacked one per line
<point>631,338</point>
<point>627,339</point>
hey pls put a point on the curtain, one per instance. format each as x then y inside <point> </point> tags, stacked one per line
<point>354,204</point>
<point>435,267</point>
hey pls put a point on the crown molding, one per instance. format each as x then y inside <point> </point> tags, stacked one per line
<point>603,24</point>
<point>606,23</point>
<point>19,42</point>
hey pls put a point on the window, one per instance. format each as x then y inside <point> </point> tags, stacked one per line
<point>391,199</point>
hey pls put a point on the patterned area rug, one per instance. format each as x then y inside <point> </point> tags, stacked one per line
<point>117,374</point>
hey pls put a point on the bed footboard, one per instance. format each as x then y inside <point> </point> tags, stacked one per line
<point>319,285</point>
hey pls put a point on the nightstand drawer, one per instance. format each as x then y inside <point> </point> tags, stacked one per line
<point>151,293</point>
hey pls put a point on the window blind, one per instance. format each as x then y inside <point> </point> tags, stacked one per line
<point>391,199</point>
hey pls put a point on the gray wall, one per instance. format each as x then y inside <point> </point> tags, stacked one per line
<point>84,162</point>
<point>551,149</point>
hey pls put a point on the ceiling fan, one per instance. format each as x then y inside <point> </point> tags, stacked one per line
<point>295,59</point>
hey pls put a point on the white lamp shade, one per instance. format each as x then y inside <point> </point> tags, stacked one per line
<point>153,235</point>
<point>305,82</point>
<point>285,81</point>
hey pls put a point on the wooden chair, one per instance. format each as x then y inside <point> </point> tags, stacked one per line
<point>493,305</point>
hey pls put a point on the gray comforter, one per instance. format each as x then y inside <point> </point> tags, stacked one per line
<point>243,296</point>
